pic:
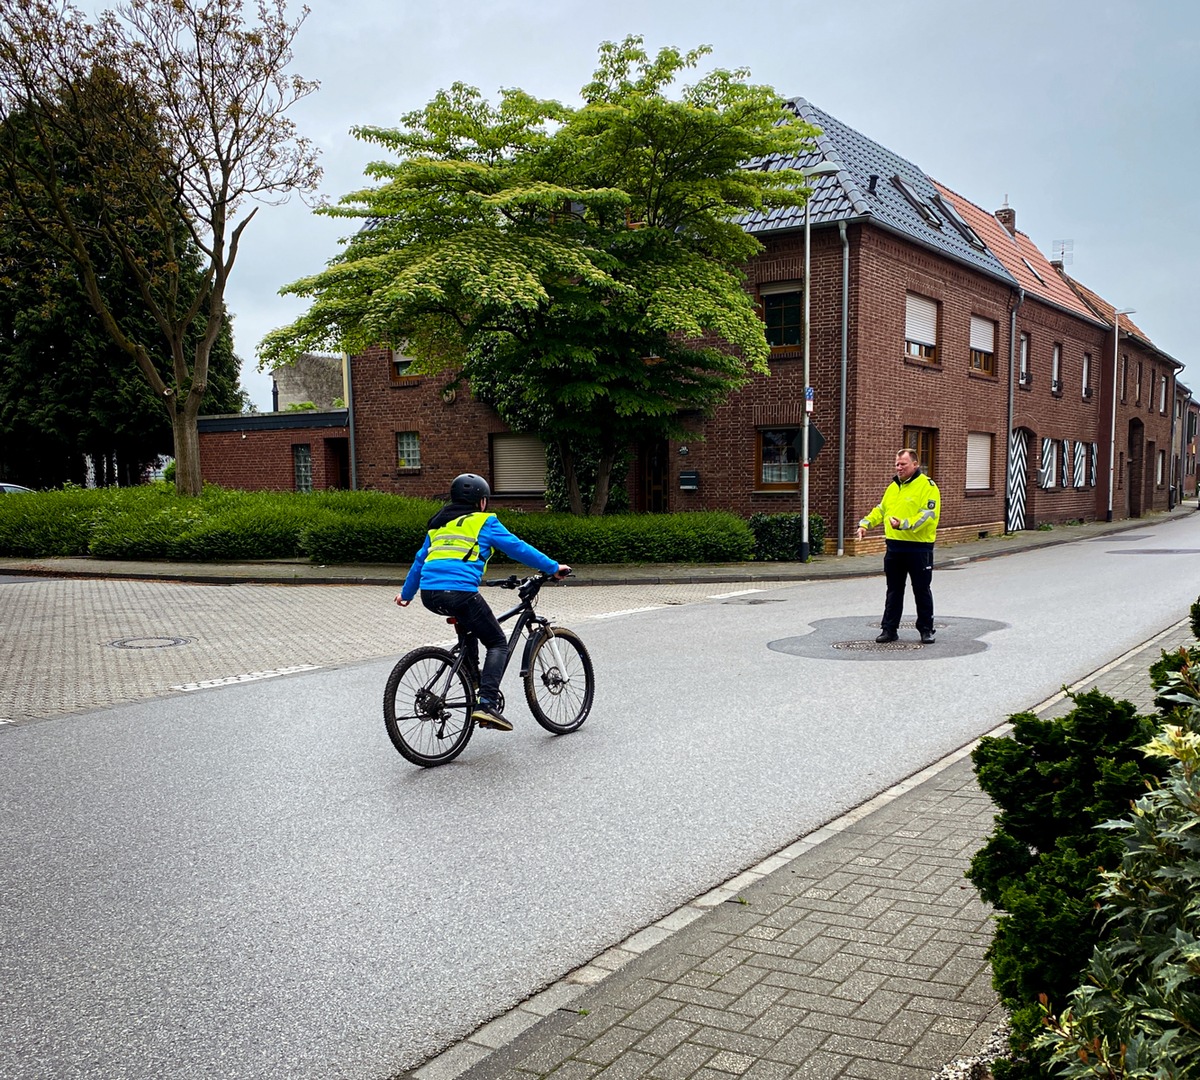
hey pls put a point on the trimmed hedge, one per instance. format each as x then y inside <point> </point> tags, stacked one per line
<point>151,522</point>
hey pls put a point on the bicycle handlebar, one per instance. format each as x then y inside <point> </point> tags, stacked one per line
<point>514,582</point>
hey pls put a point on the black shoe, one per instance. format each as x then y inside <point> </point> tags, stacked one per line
<point>490,716</point>
<point>926,637</point>
<point>885,637</point>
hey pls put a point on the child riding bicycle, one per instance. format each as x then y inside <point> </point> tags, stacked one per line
<point>448,569</point>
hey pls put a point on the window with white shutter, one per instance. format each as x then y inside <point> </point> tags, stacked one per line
<point>920,327</point>
<point>979,460</point>
<point>983,345</point>
<point>518,465</point>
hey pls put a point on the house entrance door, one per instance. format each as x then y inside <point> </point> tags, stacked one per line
<point>654,491</point>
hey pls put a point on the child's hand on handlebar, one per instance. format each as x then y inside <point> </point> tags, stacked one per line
<point>563,571</point>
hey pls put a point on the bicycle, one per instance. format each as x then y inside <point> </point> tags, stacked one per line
<point>431,691</point>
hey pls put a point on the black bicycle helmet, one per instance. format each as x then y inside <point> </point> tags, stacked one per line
<point>468,489</point>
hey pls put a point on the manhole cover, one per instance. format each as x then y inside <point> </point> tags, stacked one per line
<point>149,642</point>
<point>877,646</point>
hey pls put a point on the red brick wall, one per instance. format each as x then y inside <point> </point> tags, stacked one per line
<point>453,431</point>
<point>262,460</point>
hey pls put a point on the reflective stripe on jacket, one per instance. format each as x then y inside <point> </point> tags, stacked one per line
<point>455,555</point>
<point>916,504</point>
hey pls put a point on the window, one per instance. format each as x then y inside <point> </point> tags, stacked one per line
<point>408,450</point>
<point>956,219</point>
<point>518,465</point>
<point>302,466</point>
<point>1081,455</point>
<point>398,371</point>
<point>1137,386</point>
<point>979,460</point>
<point>1056,370</point>
<point>983,345</point>
<point>1048,471</point>
<point>920,328</point>
<point>1026,376</point>
<point>1087,375</point>
<point>918,204</point>
<point>1068,477</point>
<point>1162,397</point>
<point>1124,377</point>
<point>1160,468</point>
<point>783,314</point>
<point>778,457</point>
<point>924,442</point>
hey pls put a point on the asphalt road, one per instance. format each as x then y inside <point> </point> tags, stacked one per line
<point>247,881</point>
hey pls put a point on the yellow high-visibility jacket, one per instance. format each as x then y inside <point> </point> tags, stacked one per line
<point>916,503</point>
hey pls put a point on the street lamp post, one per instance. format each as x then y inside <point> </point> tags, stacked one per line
<point>823,168</point>
<point>1112,429</point>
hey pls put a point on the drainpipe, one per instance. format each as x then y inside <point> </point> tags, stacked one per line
<point>1171,456</point>
<point>841,532</point>
<point>349,388</point>
<point>1009,479</point>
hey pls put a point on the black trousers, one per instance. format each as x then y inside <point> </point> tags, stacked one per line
<point>904,560</point>
<point>475,623</point>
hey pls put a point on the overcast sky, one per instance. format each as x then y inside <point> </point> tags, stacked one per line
<point>1083,114</point>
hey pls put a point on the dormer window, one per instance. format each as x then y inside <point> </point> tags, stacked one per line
<point>920,205</point>
<point>959,222</point>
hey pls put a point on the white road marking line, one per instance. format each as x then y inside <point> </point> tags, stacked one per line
<point>232,680</point>
<point>629,611</point>
<point>726,595</point>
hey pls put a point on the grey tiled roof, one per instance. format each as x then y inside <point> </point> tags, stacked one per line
<point>848,196</point>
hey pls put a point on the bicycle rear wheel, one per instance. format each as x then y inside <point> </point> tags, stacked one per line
<point>559,684</point>
<point>427,707</point>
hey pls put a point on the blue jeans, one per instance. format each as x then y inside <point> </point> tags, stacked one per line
<point>475,623</point>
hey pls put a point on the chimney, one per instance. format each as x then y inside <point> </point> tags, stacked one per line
<point>1007,217</point>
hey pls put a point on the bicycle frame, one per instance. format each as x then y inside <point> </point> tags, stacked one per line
<point>526,617</point>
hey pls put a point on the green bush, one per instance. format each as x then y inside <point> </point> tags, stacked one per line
<point>777,537</point>
<point>1138,1012</point>
<point>1195,613</point>
<point>1054,781</point>
<point>152,522</point>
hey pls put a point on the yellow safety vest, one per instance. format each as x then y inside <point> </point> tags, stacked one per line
<point>458,539</point>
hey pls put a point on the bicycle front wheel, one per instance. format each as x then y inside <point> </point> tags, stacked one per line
<point>427,707</point>
<point>559,684</point>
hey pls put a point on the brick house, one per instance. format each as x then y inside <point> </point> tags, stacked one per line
<point>933,324</point>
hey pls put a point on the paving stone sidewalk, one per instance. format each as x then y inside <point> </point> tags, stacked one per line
<point>856,952</point>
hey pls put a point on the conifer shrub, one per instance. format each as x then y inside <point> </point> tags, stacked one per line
<point>1137,1012</point>
<point>777,537</point>
<point>1054,781</point>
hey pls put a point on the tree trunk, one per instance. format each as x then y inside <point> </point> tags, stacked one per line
<point>187,453</point>
<point>571,478</point>
<point>604,468</point>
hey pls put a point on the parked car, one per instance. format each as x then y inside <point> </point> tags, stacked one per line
<point>15,489</point>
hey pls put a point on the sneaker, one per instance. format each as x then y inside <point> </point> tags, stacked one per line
<point>489,716</point>
<point>885,637</point>
<point>926,637</point>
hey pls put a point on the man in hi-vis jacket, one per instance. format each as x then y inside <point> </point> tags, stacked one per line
<point>909,512</point>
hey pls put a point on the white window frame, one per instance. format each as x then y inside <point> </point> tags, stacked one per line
<point>1086,381</point>
<point>1025,377</point>
<point>1056,370</point>
<point>783,288</point>
<point>408,457</point>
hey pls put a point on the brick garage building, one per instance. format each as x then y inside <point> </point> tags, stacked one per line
<point>934,324</point>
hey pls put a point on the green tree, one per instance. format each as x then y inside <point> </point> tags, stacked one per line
<point>172,112</point>
<point>66,390</point>
<point>582,266</point>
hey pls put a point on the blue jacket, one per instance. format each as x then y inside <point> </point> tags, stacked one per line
<point>463,573</point>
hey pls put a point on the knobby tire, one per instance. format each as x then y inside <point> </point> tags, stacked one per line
<point>428,719</point>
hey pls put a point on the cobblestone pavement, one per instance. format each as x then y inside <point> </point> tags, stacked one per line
<point>105,642</point>
<point>856,952</point>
